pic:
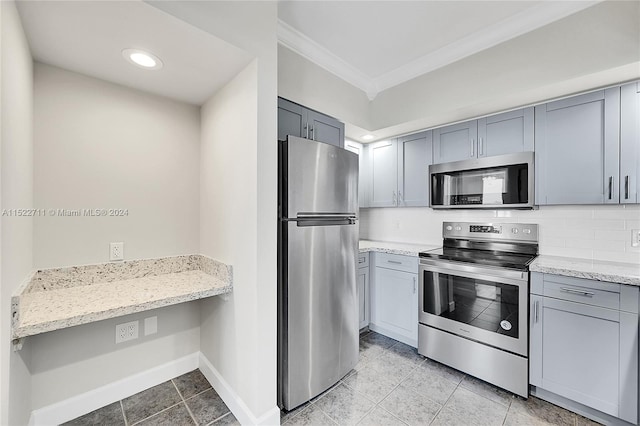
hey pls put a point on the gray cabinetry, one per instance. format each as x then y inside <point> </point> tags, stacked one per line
<point>398,171</point>
<point>383,172</point>
<point>363,181</point>
<point>498,134</point>
<point>414,158</point>
<point>455,142</point>
<point>363,289</point>
<point>629,142</point>
<point>296,120</point>
<point>577,142</point>
<point>584,342</point>
<point>394,297</point>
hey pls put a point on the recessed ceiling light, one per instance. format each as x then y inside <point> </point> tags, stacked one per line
<point>143,59</point>
<point>367,137</point>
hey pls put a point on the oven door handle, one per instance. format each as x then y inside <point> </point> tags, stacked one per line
<point>466,271</point>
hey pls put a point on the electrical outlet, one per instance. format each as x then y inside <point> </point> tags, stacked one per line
<point>127,331</point>
<point>116,251</point>
<point>635,237</point>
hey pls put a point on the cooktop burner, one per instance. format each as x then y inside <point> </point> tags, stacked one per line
<point>500,259</point>
<point>503,245</point>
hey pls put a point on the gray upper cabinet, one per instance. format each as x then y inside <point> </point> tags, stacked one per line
<point>455,142</point>
<point>414,158</point>
<point>291,119</point>
<point>629,142</point>
<point>577,149</point>
<point>363,182</point>
<point>506,133</point>
<point>498,134</point>
<point>383,172</point>
<point>397,171</point>
<point>296,120</point>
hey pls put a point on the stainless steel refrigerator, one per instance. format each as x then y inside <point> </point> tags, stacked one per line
<point>317,257</point>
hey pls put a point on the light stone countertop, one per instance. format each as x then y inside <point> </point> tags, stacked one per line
<point>623,273</point>
<point>406,249</point>
<point>54,299</point>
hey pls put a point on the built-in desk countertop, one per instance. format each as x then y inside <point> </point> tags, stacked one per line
<point>52,299</point>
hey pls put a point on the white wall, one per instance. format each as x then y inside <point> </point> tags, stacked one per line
<point>71,361</point>
<point>16,181</point>
<point>101,145</point>
<point>239,336</point>
<point>588,232</point>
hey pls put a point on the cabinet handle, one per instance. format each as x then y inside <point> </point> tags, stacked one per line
<point>626,187</point>
<point>481,147</point>
<point>306,131</point>
<point>473,142</point>
<point>414,285</point>
<point>313,136</point>
<point>578,292</point>
<point>400,201</point>
<point>535,312</point>
<point>395,200</point>
<point>395,262</point>
<point>610,186</point>
<point>361,260</point>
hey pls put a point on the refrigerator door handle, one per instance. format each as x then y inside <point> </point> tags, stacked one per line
<point>324,220</point>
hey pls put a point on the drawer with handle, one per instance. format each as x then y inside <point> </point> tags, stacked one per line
<point>363,260</point>
<point>397,262</point>
<point>596,293</point>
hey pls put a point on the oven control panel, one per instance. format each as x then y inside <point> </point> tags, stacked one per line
<point>491,231</point>
<point>485,228</point>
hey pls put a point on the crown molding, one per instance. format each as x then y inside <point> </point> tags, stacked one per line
<point>514,26</point>
<point>306,47</point>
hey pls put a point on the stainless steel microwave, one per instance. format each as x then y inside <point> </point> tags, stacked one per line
<point>499,182</point>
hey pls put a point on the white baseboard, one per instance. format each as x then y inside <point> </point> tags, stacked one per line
<point>87,402</point>
<point>390,333</point>
<point>233,401</point>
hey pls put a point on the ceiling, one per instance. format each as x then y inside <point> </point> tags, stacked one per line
<point>375,45</point>
<point>88,37</point>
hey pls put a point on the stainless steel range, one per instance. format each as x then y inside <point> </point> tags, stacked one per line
<point>473,299</point>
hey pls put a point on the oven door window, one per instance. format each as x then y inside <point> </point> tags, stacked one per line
<point>487,305</point>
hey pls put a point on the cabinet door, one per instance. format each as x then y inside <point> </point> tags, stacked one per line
<point>394,309</point>
<point>292,120</point>
<point>363,296</point>
<point>325,129</point>
<point>506,133</point>
<point>414,158</point>
<point>577,141</point>
<point>383,166</point>
<point>455,142</point>
<point>358,148</point>
<point>581,353</point>
<point>629,142</point>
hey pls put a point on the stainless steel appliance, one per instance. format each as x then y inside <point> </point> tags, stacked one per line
<point>503,181</point>
<point>473,301</point>
<point>317,253</point>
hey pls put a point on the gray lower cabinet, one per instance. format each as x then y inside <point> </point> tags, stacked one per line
<point>394,297</point>
<point>363,181</point>
<point>577,143</point>
<point>397,171</point>
<point>363,289</point>
<point>584,342</point>
<point>629,142</point>
<point>297,120</point>
<point>504,133</point>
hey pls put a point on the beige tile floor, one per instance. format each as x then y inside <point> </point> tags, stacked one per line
<point>393,385</point>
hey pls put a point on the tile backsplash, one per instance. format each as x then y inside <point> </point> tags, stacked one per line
<point>587,232</point>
